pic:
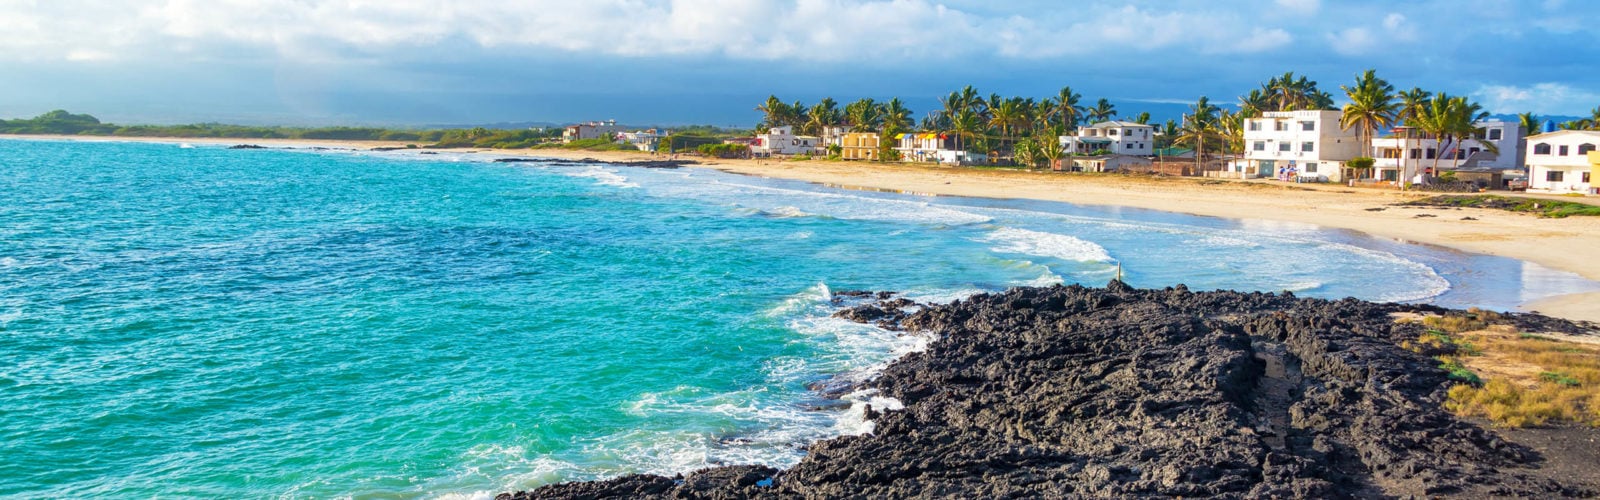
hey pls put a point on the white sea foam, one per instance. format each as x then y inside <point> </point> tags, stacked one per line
<point>1060,246</point>
<point>603,176</point>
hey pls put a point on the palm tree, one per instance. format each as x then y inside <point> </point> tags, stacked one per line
<point>965,124</point>
<point>1371,107</point>
<point>1103,110</point>
<point>1230,128</point>
<point>864,115</point>
<point>1006,114</point>
<point>1253,104</point>
<point>896,117</point>
<point>821,116</point>
<point>777,112</point>
<point>1448,118</point>
<point>1068,109</point>
<point>1049,148</point>
<point>1024,152</point>
<point>1197,124</point>
<point>1410,110</point>
<point>1530,123</point>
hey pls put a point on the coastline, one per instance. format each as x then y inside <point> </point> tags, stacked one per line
<point>1562,244</point>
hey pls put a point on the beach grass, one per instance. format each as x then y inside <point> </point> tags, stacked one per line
<point>1512,378</point>
<point>1544,208</point>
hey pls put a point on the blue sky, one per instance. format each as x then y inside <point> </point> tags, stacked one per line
<point>712,61</point>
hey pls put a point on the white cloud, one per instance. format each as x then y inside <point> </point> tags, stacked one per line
<point>1540,98</point>
<point>1303,7</point>
<point>1361,40</point>
<point>814,30</point>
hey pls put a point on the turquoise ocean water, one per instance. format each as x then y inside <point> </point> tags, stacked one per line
<point>205,322</point>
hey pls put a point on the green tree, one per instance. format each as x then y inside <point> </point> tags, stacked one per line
<point>1103,110</point>
<point>1143,118</point>
<point>1069,109</point>
<point>823,114</point>
<point>864,115</point>
<point>1371,107</point>
<point>1198,124</point>
<point>1529,122</point>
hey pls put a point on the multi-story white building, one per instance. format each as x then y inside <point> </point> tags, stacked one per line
<point>1406,153</point>
<point>1297,145</point>
<point>1115,137</point>
<point>592,130</point>
<point>1563,161</point>
<point>643,140</point>
<point>783,141</point>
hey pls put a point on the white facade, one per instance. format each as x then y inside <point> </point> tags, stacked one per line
<point>1563,162</point>
<point>782,141</point>
<point>1405,151</point>
<point>1297,145</point>
<point>923,147</point>
<point>1107,163</point>
<point>643,140</point>
<point>1121,138</point>
<point>591,130</point>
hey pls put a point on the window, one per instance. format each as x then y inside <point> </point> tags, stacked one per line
<point>1562,151</point>
<point>1541,149</point>
<point>1283,147</point>
<point>1416,153</point>
<point>1130,146</point>
<point>1311,167</point>
<point>1255,125</point>
<point>1308,126</point>
<point>1585,177</point>
<point>1308,146</point>
<point>1111,132</point>
<point>1553,176</point>
<point>1494,134</point>
<point>1280,126</point>
<point>1261,146</point>
<point>1585,148</point>
<point>1431,153</point>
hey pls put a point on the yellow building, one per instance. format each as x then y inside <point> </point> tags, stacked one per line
<point>860,146</point>
<point>1594,171</point>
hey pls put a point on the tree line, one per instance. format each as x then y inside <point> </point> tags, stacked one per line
<point>1027,129</point>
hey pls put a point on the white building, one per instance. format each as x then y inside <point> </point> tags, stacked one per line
<point>1119,138</point>
<point>643,140</point>
<point>591,130</point>
<point>1297,145</point>
<point>1103,163</point>
<point>1563,161</point>
<point>1406,153</point>
<point>783,141</point>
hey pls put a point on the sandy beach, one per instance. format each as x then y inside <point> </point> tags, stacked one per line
<point>1565,244</point>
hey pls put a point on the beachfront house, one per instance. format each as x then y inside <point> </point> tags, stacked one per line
<point>1563,161</point>
<point>1112,137</point>
<point>1407,153</point>
<point>643,140</point>
<point>1102,163</point>
<point>783,141</point>
<point>935,147</point>
<point>860,146</point>
<point>833,136</point>
<point>592,130</point>
<point>1297,146</point>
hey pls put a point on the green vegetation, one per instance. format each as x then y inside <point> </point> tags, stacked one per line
<point>721,150</point>
<point>1512,378</point>
<point>1543,208</point>
<point>60,122</point>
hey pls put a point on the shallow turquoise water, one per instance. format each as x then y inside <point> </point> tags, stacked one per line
<point>210,322</point>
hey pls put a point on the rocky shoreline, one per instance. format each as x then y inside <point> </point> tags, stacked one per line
<point>1111,392</point>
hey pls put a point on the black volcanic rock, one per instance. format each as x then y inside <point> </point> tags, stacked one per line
<point>1077,392</point>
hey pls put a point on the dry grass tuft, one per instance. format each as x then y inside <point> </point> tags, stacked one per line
<point>1531,380</point>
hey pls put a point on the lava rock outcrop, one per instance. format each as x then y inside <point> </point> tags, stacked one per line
<point>1082,392</point>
